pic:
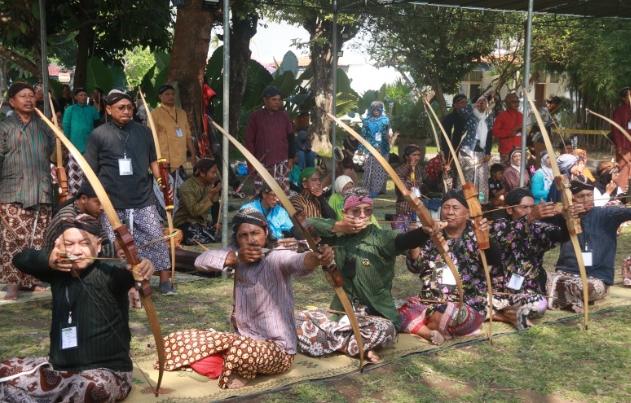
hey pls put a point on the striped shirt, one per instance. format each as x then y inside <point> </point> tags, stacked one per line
<point>264,300</point>
<point>24,162</point>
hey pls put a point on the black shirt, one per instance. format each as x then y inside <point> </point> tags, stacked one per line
<point>109,143</point>
<point>455,124</point>
<point>100,311</point>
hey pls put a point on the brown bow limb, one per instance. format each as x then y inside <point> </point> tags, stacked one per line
<point>62,177</point>
<point>332,273</point>
<point>562,184</point>
<point>475,210</point>
<point>415,202</point>
<point>437,141</point>
<point>164,168</point>
<point>125,242</point>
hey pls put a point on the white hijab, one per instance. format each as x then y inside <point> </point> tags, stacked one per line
<point>482,130</point>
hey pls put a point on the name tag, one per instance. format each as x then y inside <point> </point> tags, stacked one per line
<point>518,134</point>
<point>629,125</point>
<point>124,167</point>
<point>445,276</point>
<point>587,258</point>
<point>515,282</point>
<point>378,136</point>
<point>179,132</point>
<point>69,337</point>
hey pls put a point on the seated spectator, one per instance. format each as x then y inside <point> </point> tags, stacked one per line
<point>511,175</point>
<point>266,202</point>
<point>542,180</point>
<point>197,196</point>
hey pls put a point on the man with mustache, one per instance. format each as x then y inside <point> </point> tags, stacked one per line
<point>25,186</point>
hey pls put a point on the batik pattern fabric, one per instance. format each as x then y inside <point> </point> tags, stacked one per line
<point>16,234</point>
<point>464,254</point>
<point>415,313</point>
<point>565,291</point>
<point>412,178</point>
<point>243,356</point>
<point>476,171</point>
<point>75,175</point>
<point>523,246</point>
<point>280,172</point>
<point>375,176</point>
<point>41,383</point>
<point>306,204</point>
<point>145,226</point>
<point>319,335</point>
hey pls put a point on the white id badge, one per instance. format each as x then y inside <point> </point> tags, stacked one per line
<point>446,276</point>
<point>179,132</point>
<point>587,258</point>
<point>124,167</point>
<point>378,137</point>
<point>515,282</point>
<point>69,337</point>
<point>416,192</point>
<point>518,134</point>
<point>629,125</point>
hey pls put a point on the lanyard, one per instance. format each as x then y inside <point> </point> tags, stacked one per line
<point>70,305</point>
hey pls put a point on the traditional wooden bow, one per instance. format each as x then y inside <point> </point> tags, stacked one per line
<point>125,242</point>
<point>475,210</point>
<point>62,178</point>
<point>418,206</point>
<point>332,273</point>
<point>165,168</point>
<point>573,226</point>
<point>437,141</point>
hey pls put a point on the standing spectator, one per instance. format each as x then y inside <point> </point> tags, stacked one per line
<point>622,116</point>
<point>376,130</point>
<point>78,124</point>
<point>270,137</point>
<point>306,157</point>
<point>511,178</point>
<point>121,152</point>
<point>25,186</point>
<point>475,152</point>
<point>507,126</point>
<point>98,101</point>
<point>455,122</point>
<point>66,98</point>
<point>542,180</point>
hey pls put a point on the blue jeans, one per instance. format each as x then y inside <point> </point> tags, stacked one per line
<point>305,159</point>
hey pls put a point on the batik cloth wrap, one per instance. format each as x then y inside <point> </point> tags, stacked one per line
<point>44,384</point>
<point>454,322</point>
<point>145,226</point>
<point>375,176</point>
<point>280,172</point>
<point>320,335</point>
<point>476,171</point>
<point>75,175</point>
<point>20,222</point>
<point>565,291</point>
<point>243,356</point>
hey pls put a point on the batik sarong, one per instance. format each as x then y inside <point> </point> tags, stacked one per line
<point>375,176</point>
<point>243,356</point>
<point>280,172</point>
<point>16,234</point>
<point>319,335</point>
<point>454,322</point>
<point>75,176</point>
<point>476,171</point>
<point>145,226</point>
<point>565,291</point>
<point>39,382</point>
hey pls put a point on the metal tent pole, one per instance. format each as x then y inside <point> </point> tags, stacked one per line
<point>522,167</point>
<point>226,123</point>
<point>334,78</point>
<point>44,54</point>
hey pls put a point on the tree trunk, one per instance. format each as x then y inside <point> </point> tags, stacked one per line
<point>321,63</point>
<point>243,29</point>
<point>439,95</point>
<point>191,39</point>
<point>85,42</point>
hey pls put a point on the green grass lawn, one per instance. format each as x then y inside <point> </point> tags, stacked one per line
<point>554,362</point>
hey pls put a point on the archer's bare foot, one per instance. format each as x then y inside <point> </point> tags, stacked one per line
<point>12,292</point>
<point>236,382</point>
<point>437,338</point>
<point>373,358</point>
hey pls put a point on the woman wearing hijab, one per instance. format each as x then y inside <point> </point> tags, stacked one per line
<point>542,180</point>
<point>376,129</point>
<point>570,168</point>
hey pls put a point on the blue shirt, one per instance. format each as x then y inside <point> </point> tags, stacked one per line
<point>599,235</point>
<point>277,217</point>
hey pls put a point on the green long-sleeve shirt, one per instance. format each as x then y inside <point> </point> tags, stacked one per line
<point>78,122</point>
<point>195,203</point>
<point>366,261</point>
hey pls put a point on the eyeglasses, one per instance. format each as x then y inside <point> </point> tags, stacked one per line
<point>357,212</point>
